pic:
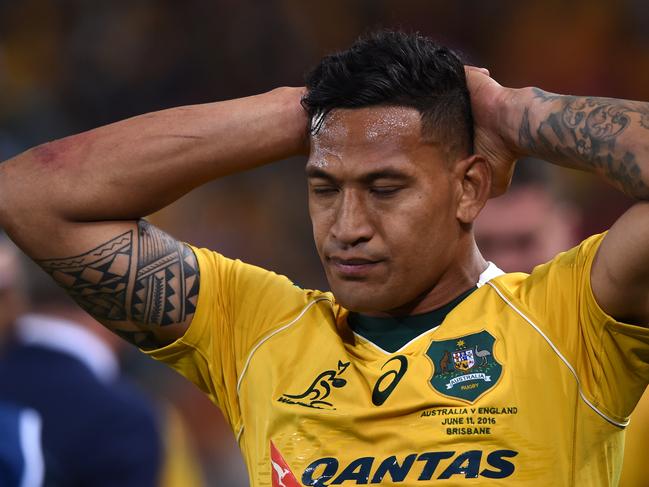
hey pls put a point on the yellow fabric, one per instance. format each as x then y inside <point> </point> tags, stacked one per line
<point>181,466</point>
<point>636,448</point>
<point>526,382</point>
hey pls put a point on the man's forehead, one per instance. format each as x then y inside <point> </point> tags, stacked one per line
<point>367,124</point>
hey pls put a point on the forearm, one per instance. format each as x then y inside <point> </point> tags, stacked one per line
<point>134,167</point>
<point>606,136</point>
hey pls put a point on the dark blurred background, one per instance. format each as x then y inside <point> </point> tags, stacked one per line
<point>70,65</point>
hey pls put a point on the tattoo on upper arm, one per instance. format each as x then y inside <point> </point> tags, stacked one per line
<point>166,282</point>
<point>585,130</point>
<point>133,294</point>
<point>98,279</point>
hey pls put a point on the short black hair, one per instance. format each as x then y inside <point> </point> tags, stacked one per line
<point>392,68</point>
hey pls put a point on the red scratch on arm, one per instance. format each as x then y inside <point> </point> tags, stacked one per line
<point>61,152</point>
<point>45,153</point>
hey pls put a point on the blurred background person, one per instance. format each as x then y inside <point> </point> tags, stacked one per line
<point>21,451</point>
<point>529,225</point>
<point>116,436</point>
<point>97,430</point>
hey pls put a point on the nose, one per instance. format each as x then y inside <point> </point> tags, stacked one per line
<point>352,225</point>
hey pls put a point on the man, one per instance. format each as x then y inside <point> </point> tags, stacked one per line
<point>529,224</point>
<point>424,363</point>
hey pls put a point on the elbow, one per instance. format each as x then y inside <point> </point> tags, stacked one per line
<point>24,203</point>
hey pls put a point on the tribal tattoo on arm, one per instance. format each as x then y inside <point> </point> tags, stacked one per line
<point>138,285</point>
<point>584,132</point>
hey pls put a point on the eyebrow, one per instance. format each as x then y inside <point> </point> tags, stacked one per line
<point>313,172</point>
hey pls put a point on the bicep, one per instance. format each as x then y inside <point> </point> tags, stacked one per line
<point>134,278</point>
<point>620,272</point>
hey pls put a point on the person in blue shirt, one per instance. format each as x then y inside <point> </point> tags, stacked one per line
<point>96,429</point>
<point>21,454</point>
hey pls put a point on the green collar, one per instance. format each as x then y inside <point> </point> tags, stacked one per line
<point>393,333</point>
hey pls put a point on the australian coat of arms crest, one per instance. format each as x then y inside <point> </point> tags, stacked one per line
<point>465,367</point>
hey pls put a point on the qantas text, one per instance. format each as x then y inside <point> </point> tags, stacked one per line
<point>440,465</point>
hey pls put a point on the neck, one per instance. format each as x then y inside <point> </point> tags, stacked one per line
<point>461,274</point>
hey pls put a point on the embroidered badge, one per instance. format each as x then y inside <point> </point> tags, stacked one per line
<point>464,368</point>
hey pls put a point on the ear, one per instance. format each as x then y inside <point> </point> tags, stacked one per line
<point>473,176</point>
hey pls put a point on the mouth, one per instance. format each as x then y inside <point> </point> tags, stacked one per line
<point>353,268</point>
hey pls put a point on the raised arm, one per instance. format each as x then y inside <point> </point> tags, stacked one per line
<point>606,136</point>
<point>75,205</point>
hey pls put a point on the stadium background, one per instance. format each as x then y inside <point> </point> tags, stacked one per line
<point>70,65</point>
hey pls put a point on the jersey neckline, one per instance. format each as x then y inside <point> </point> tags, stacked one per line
<point>393,333</point>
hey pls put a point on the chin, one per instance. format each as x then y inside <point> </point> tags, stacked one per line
<point>357,306</point>
<point>361,300</point>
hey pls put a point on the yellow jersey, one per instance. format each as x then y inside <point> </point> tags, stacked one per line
<point>524,381</point>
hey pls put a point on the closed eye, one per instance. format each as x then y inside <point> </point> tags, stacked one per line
<point>324,190</point>
<point>384,191</point>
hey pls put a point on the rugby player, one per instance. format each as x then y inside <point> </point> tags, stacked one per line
<point>425,363</point>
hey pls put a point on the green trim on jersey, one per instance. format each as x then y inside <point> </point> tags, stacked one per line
<point>393,333</point>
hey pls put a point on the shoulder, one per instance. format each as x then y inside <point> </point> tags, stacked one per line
<point>239,291</point>
<point>567,270</point>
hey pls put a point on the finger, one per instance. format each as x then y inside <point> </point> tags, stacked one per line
<point>484,71</point>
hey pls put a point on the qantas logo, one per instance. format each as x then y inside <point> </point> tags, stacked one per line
<point>424,467</point>
<point>281,474</point>
<point>367,470</point>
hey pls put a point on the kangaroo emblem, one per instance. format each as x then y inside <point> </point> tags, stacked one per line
<point>483,354</point>
<point>444,362</point>
<point>320,388</point>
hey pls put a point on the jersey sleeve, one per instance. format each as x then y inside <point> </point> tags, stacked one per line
<point>238,305</point>
<point>610,358</point>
